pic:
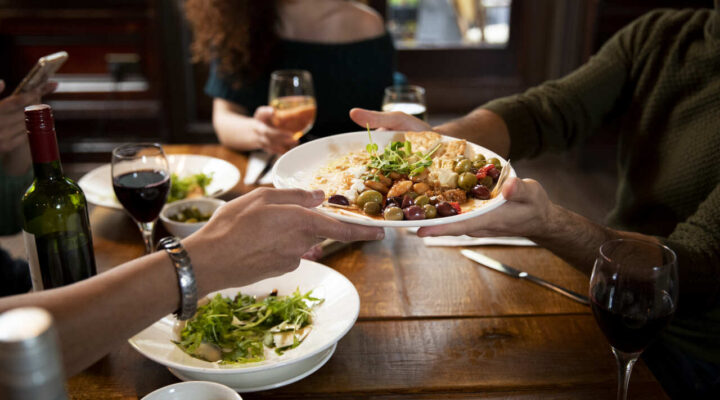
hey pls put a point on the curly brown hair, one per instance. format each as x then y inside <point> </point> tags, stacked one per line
<point>239,35</point>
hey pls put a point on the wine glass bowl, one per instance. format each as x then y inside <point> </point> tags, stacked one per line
<point>141,181</point>
<point>292,96</point>
<point>409,99</point>
<point>633,293</point>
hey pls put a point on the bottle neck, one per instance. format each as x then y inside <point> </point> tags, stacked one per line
<point>48,170</point>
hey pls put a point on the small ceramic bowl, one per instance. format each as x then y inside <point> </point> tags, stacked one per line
<point>194,390</point>
<point>206,205</point>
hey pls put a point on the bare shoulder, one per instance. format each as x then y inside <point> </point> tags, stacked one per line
<point>359,20</point>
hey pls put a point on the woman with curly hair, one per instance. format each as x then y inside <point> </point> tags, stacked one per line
<point>343,44</point>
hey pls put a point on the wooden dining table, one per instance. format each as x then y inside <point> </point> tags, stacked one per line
<point>432,325</point>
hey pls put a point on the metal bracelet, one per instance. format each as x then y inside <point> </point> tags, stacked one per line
<point>186,276</point>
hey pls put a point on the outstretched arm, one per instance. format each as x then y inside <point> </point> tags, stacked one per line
<point>259,235</point>
<point>528,212</point>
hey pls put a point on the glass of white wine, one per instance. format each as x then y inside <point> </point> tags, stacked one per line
<point>409,99</point>
<point>292,96</point>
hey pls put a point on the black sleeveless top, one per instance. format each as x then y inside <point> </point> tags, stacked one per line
<point>345,75</point>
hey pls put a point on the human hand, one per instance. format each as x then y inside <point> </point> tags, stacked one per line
<point>527,213</point>
<point>262,234</point>
<point>12,116</point>
<point>394,120</point>
<point>270,138</point>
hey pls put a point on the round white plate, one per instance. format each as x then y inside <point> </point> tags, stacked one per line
<point>195,390</point>
<point>295,169</point>
<point>98,189</point>
<point>332,320</point>
<point>256,382</point>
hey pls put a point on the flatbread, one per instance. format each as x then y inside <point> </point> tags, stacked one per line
<point>423,141</point>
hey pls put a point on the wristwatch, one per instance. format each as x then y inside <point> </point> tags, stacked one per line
<point>185,274</point>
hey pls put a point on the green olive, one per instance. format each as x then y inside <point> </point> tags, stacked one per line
<point>463,166</point>
<point>422,200</point>
<point>467,181</point>
<point>495,162</point>
<point>430,211</point>
<point>368,196</point>
<point>371,208</point>
<point>479,158</point>
<point>393,214</point>
<point>486,181</point>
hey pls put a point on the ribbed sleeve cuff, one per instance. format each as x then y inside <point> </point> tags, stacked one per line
<point>524,140</point>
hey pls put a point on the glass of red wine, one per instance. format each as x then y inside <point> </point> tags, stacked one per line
<point>633,292</point>
<point>141,180</point>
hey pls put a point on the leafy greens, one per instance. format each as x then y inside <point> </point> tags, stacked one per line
<point>242,327</point>
<point>181,188</point>
<point>398,157</point>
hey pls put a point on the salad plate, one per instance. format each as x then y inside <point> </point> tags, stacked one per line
<point>299,168</point>
<point>331,321</point>
<point>98,189</point>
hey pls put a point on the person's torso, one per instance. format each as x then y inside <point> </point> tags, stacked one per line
<point>669,159</point>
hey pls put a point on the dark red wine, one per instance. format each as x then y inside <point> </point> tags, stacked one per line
<point>143,193</point>
<point>630,332</point>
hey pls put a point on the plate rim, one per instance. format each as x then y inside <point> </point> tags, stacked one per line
<point>118,206</point>
<point>296,378</point>
<point>258,368</point>
<point>491,205</point>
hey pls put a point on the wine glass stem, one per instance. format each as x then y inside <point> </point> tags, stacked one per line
<point>625,363</point>
<point>146,228</point>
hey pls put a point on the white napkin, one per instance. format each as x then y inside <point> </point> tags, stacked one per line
<point>256,163</point>
<point>472,241</point>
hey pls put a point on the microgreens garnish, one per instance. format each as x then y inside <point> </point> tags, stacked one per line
<point>397,157</point>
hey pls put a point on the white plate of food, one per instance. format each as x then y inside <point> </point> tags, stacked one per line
<point>198,175</point>
<point>331,318</point>
<point>414,178</point>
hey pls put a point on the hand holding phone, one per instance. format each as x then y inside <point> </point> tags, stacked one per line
<point>42,71</point>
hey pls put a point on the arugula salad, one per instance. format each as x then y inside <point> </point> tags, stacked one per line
<point>240,330</point>
<point>188,187</point>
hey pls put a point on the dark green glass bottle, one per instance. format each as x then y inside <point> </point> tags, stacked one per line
<point>56,226</point>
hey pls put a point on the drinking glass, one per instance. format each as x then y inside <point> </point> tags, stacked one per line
<point>141,180</point>
<point>633,292</point>
<point>409,99</point>
<point>292,96</point>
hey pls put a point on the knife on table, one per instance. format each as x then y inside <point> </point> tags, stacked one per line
<point>505,269</point>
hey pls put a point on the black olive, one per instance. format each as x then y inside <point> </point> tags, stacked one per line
<point>445,209</point>
<point>414,213</point>
<point>339,199</point>
<point>480,192</point>
<point>407,201</point>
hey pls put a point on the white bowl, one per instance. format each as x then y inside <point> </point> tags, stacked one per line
<point>296,168</point>
<point>195,390</point>
<point>98,188</point>
<point>331,321</point>
<point>206,205</point>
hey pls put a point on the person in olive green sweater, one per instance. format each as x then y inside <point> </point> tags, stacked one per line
<point>662,75</point>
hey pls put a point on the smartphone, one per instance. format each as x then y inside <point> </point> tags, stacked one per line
<point>42,71</point>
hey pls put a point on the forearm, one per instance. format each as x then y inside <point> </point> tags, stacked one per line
<point>97,315</point>
<point>576,239</point>
<point>235,130</point>
<point>480,126</point>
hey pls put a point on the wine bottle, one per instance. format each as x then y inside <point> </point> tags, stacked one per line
<point>56,226</point>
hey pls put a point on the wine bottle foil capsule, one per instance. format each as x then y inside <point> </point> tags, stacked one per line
<point>30,361</point>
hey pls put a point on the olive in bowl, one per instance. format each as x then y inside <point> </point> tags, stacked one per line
<point>183,217</point>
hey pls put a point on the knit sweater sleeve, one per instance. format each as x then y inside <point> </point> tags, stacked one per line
<point>696,241</point>
<point>558,113</point>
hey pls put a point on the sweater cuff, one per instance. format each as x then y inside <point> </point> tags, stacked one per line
<point>520,125</point>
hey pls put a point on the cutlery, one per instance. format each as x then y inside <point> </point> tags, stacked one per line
<point>266,169</point>
<point>505,269</point>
